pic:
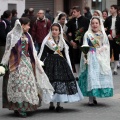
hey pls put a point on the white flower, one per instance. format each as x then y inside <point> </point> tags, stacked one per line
<point>2,70</point>
<point>85,46</point>
<point>41,63</point>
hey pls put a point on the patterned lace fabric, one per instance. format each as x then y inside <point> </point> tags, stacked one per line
<point>96,78</point>
<point>25,48</point>
<point>98,92</point>
<point>22,84</point>
<point>24,106</point>
<point>60,75</point>
<point>68,88</point>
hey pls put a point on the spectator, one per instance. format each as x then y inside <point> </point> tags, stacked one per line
<point>14,17</point>
<point>48,15</point>
<point>40,29</point>
<point>105,14</point>
<point>70,16</point>
<point>87,13</point>
<point>26,12</point>
<point>5,27</point>
<point>98,13</point>
<point>78,22</point>
<point>119,11</point>
<point>112,25</point>
<point>32,18</point>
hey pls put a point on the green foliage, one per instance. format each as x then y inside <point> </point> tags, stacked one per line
<point>79,34</point>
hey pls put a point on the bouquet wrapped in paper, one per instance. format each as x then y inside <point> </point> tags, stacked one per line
<point>3,69</point>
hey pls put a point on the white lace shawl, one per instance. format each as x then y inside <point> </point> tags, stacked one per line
<point>102,53</point>
<point>44,87</point>
<point>62,44</point>
<point>100,15</point>
<point>57,21</point>
<point>12,38</point>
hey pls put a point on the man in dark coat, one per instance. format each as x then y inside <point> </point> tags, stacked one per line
<point>73,25</point>
<point>32,18</point>
<point>5,27</point>
<point>112,26</point>
<point>48,15</point>
<point>14,17</point>
<point>87,12</point>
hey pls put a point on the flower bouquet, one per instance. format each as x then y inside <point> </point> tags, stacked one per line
<point>117,38</point>
<point>79,34</point>
<point>85,50</point>
<point>3,69</point>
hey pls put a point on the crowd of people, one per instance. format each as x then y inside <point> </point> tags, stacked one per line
<point>47,62</point>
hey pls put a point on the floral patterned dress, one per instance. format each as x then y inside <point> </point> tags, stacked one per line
<point>21,93</point>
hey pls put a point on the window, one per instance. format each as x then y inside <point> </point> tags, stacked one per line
<point>97,4</point>
<point>118,2</point>
<point>12,6</point>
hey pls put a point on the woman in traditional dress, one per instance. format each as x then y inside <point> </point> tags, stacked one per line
<point>25,83</point>
<point>54,53</point>
<point>61,19</point>
<point>104,14</point>
<point>95,78</point>
<point>98,13</point>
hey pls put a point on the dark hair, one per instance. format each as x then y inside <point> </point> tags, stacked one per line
<point>47,10</point>
<point>95,18</point>
<point>77,8</point>
<point>87,8</point>
<point>119,8</point>
<point>31,10</point>
<point>26,11</point>
<point>24,20</point>
<point>61,15</point>
<point>14,11</point>
<point>105,11</point>
<point>115,7</point>
<point>6,14</point>
<point>56,24</point>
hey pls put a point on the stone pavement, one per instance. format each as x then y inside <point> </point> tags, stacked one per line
<point>107,109</point>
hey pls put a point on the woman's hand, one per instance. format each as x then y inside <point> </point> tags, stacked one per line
<point>110,37</point>
<point>74,45</point>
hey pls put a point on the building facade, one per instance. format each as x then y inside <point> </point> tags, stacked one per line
<point>19,5</point>
<point>54,5</point>
<point>66,5</point>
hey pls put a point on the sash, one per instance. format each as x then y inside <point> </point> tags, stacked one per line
<point>53,46</point>
<point>94,41</point>
<point>102,54</point>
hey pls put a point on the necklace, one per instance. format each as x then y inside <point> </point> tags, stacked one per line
<point>24,38</point>
<point>56,41</point>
